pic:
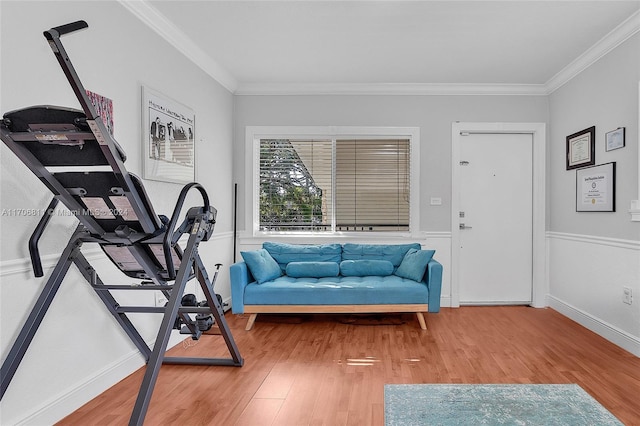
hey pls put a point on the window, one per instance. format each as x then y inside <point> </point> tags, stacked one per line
<point>295,185</point>
<point>333,182</point>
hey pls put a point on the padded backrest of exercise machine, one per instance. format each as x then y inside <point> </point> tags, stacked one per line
<point>103,198</point>
<point>126,258</point>
<point>57,136</point>
<point>102,194</point>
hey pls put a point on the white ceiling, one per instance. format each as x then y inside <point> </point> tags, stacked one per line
<point>340,46</point>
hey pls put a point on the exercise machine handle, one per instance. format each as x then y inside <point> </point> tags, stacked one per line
<point>36,262</point>
<point>53,36</point>
<point>166,244</point>
<point>65,29</point>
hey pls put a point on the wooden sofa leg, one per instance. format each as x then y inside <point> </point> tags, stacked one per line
<point>423,324</point>
<point>252,319</point>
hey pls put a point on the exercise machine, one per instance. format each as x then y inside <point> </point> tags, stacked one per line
<point>79,161</point>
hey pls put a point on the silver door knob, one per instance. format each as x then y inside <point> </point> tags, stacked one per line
<point>463,226</point>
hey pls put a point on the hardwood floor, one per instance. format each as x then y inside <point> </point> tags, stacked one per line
<point>323,370</point>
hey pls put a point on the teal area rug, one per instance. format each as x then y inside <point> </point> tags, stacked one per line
<point>443,404</point>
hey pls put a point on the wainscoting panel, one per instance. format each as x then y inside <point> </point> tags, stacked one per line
<point>587,275</point>
<point>441,243</point>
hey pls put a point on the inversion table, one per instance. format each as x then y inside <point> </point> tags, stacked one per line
<point>64,147</point>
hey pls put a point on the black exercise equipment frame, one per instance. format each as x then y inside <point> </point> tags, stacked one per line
<point>151,231</point>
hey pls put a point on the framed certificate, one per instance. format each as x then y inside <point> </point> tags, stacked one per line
<point>614,139</point>
<point>581,148</point>
<point>596,188</point>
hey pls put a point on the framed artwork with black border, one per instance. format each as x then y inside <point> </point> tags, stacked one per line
<point>581,148</point>
<point>596,188</point>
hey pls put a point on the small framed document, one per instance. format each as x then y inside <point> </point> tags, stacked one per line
<point>581,148</point>
<point>596,188</point>
<point>614,139</point>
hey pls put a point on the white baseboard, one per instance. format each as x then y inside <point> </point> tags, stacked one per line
<point>58,407</point>
<point>613,334</point>
<point>445,301</point>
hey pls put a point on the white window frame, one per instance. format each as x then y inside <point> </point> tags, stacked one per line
<point>253,134</point>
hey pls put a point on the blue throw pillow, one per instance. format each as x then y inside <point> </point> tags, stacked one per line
<point>313,269</point>
<point>261,265</point>
<point>363,268</point>
<point>414,264</point>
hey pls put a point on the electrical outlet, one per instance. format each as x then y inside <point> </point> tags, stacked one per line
<point>627,295</point>
<point>161,299</point>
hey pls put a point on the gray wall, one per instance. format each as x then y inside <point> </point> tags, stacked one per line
<point>606,96</point>
<point>432,114</point>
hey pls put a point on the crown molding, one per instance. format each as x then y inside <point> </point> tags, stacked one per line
<point>417,89</point>
<point>151,17</point>
<point>155,20</point>
<point>613,39</point>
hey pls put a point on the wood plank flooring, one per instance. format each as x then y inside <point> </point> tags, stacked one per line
<point>325,370</point>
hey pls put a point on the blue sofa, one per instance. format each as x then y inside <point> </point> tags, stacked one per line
<point>336,278</point>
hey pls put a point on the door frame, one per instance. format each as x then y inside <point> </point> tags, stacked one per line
<point>539,261</point>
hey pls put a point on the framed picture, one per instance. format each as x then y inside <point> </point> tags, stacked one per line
<point>596,188</point>
<point>168,139</point>
<point>614,139</point>
<point>581,148</point>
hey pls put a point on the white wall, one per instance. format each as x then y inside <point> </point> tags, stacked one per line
<point>592,256</point>
<point>80,350</point>
<point>587,274</point>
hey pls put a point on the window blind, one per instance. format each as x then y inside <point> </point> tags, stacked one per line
<point>372,185</point>
<point>334,184</point>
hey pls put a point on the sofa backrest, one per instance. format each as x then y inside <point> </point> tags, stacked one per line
<point>284,253</point>
<point>394,253</point>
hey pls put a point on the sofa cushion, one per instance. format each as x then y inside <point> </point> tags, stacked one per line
<point>312,269</point>
<point>284,253</point>
<point>261,265</point>
<point>372,290</point>
<point>394,253</point>
<point>414,264</point>
<point>363,268</point>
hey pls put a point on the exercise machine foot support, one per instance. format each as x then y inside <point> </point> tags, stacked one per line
<point>69,150</point>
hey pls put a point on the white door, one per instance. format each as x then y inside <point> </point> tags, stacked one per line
<point>495,218</point>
